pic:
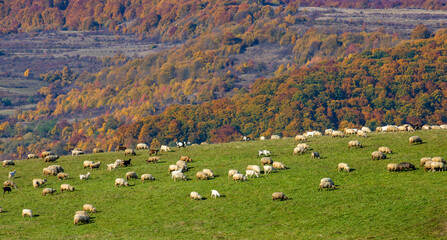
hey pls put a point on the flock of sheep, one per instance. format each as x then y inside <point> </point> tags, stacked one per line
<point>177,170</point>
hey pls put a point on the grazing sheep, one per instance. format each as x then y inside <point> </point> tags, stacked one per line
<point>79,218</point>
<point>57,168</point>
<point>215,194</point>
<point>366,129</point>
<point>46,191</point>
<point>182,165</point>
<point>49,171</point>
<point>251,173</point>
<point>328,132</point>
<point>67,187</point>
<point>84,176</point>
<point>328,185</point>
<point>32,156</point>
<point>239,177</point>
<point>37,182</point>
<point>112,166</point>
<point>131,174</point>
<point>8,163</point>
<point>208,172</point>
<point>153,159</point>
<point>312,134</point>
<point>326,180</point>
<point>95,165</point>
<point>343,167</point>
<point>121,182</point>
<point>195,196</point>
<point>142,146</point>
<point>350,131</point>
<point>262,138</point>
<point>89,208</point>
<point>147,176</point>
<point>129,151</point>
<point>6,189</point>
<point>165,148</point>
<point>62,176</point>
<point>12,174</point>
<point>27,212</point>
<point>186,158</point>
<point>279,196</point>
<point>315,155</point>
<point>266,160</point>
<point>154,151</point>
<point>268,169</point>
<point>424,160</point>
<point>9,183</point>
<point>275,137</point>
<point>201,176</point>
<point>120,148</point>
<point>301,138</point>
<point>402,128</point>
<point>178,175</point>
<point>378,155</point>
<point>438,159</point>
<point>46,153</point>
<point>97,150</point>
<point>339,134</point>
<point>279,165</point>
<point>76,152</point>
<point>435,166</point>
<point>385,149</point>
<point>125,163</point>
<point>173,168</point>
<point>255,168</point>
<point>427,165</point>
<point>406,166</point>
<point>415,139</point>
<point>361,133</point>
<point>232,172</point>
<point>303,145</point>
<point>299,150</point>
<point>87,164</point>
<point>264,152</point>
<point>82,213</point>
<point>426,127</point>
<point>355,144</point>
<point>392,167</point>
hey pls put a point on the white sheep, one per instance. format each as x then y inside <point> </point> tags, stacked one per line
<point>208,172</point>
<point>262,138</point>
<point>12,174</point>
<point>121,182</point>
<point>232,172</point>
<point>264,152</point>
<point>256,168</point>
<point>215,194</point>
<point>147,176</point>
<point>142,146</point>
<point>38,182</point>
<point>275,137</point>
<point>326,183</point>
<point>343,167</point>
<point>131,174</point>
<point>76,152</point>
<point>178,175</point>
<point>67,187</point>
<point>8,163</point>
<point>62,175</point>
<point>80,218</point>
<point>328,131</point>
<point>303,145</point>
<point>424,160</point>
<point>361,133</point>
<point>268,169</point>
<point>89,208</point>
<point>95,165</point>
<point>46,191</point>
<point>84,176</point>
<point>9,183</point>
<point>239,177</point>
<point>27,212</point>
<point>173,168</point>
<point>279,165</point>
<point>195,196</point>
<point>87,164</point>
<point>300,138</point>
<point>251,173</point>
<point>165,148</point>
<point>299,150</point>
<point>112,166</point>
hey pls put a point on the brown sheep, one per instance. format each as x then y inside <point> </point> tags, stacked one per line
<point>266,160</point>
<point>279,196</point>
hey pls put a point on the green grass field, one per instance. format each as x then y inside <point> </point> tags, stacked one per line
<point>369,202</point>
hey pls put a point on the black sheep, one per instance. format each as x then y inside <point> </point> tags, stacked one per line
<point>6,189</point>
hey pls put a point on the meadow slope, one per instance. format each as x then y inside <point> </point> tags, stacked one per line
<point>369,202</point>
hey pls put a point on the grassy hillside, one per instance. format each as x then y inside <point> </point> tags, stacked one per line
<point>369,202</point>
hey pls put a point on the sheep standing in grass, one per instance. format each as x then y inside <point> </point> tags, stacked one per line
<point>438,159</point>
<point>299,150</point>
<point>95,165</point>
<point>8,163</point>
<point>385,149</point>
<point>239,177</point>
<point>97,150</point>
<point>303,145</point>
<point>266,160</point>
<point>67,187</point>
<point>377,155</point>
<point>339,134</point>
<point>51,158</point>
<point>62,176</point>
<point>148,177</point>
<point>355,144</point>
<point>232,172</point>
<point>424,160</point>
<point>279,196</point>
<point>125,163</point>
<point>121,182</point>
<point>366,129</point>
<point>268,169</point>
<point>300,138</point>
<point>153,159</point>
<point>361,133</point>
<point>264,152</point>
<point>262,138</point>
<point>49,171</point>
<point>46,153</point>
<point>6,189</point>
<point>275,137</point>
<point>9,183</point>
<point>195,196</point>
<point>142,146</point>
<point>208,172</point>
<point>131,174</point>
<point>251,173</point>
<point>343,167</point>
<point>406,166</point>
<point>76,152</point>
<point>315,155</point>
<point>179,175</point>
<point>84,176</point>
<point>173,168</point>
<point>82,213</point>
<point>112,166</point>
<point>129,151</point>
<point>12,174</point>
<point>414,139</point>
<point>255,168</point>
<point>38,182</point>
<point>201,176</point>
<point>392,167</point>
<point>215,194</point>
<point>186,158</point>
<point>435,166</point>
<point>427,165</point>
<point>89,208</point>
<point>79,218</point>
<point>87,164</point>
<point>46,191</point>
<point>27,212</point>
<point>32,156</point>
<point>328,131</point>
<point>279,165</point>
<point>182,165</point>
<point>165,148</point>
<point>326,183</point>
